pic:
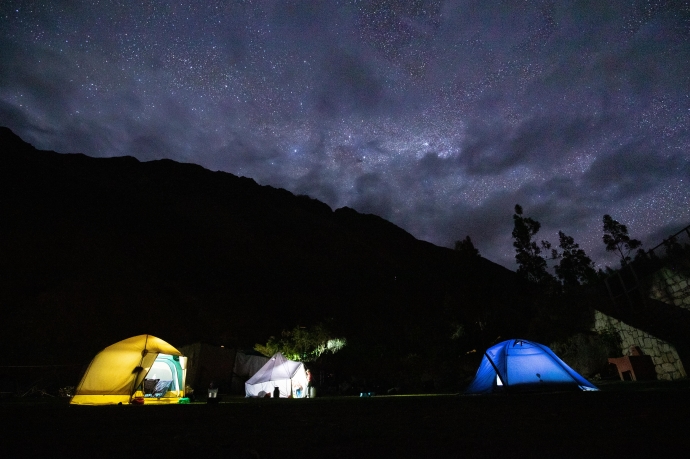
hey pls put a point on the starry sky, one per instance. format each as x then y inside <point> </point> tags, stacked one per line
<point>439,116</point>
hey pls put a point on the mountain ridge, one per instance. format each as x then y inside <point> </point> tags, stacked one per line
<point>98,249</point>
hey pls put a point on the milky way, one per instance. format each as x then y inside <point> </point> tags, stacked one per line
<point>438,116</point>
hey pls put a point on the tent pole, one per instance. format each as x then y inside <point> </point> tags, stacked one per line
<point>496,370</point>
<point>134,383</point>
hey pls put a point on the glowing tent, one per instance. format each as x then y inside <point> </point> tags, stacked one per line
<point>289,376</point>
<point>518,364</point>
<point>141,369</point>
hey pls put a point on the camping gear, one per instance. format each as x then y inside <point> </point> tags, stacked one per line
<point>288,376</point>
<point>635,367</point>
<point>142,369</point>
<point>212,393</point>
<point>521,365</point>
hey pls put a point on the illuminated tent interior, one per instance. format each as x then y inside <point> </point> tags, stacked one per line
<point>521,365</point>
<point>138,369</point>
<point>289,376</point>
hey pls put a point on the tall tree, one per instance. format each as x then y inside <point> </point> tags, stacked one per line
<point>575,267</point>
<point>466,248</point>
<point>531,264</point>
<point>617,240</point>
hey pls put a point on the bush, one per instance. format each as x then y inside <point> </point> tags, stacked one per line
<point>588,353</point>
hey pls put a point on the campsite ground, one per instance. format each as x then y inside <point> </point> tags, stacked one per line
<point>622,419</point>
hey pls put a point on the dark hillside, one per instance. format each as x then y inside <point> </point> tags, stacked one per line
<point>93,250</point>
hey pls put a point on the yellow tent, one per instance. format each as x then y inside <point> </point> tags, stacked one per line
<point>141,369</point>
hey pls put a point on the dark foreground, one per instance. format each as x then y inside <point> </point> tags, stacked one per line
<point>625,419</point>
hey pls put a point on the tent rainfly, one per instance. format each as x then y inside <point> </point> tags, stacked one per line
<point>138,369</point>
<point>247,364</point>
<point>206,364</point>
<point>289,376</point>
<point>518,364</point>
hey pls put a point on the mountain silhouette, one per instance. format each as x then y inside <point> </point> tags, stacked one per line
<point>94,250</point>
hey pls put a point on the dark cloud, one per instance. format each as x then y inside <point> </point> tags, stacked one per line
<point>38,80</point>
<point>239,153</point>
<point>318,185</point>
<point>349,86</point>
<point>538,142</point>
<point>373,195</point>
<point>632,170</point>
<point>485,152</point>
<point>433,166</point>
<point>149,147</point>
<point>11,114</point>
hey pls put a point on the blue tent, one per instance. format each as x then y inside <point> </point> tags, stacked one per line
<point>518,364</point>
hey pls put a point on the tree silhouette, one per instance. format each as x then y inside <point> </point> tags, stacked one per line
<point>575,267</point>
<point>531,264</point>
<point>466,248</point>
<point>617,240</point>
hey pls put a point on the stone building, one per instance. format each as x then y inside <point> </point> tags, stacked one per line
<point>649,306</point>
<point>667,363</point>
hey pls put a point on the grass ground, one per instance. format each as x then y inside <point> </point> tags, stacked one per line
<point>623,419</point>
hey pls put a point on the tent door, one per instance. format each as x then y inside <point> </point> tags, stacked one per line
<point>161,379</point>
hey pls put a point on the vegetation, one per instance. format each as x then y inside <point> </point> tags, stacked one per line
<point>676,254</point>
<point>588,353</point>
<point>302,344</point>
<point>466,248</point>
<point>575,267</point>
<point>531,264</point>
<point>560,313</point>
<point>208,247</point>
<point>617,240</point>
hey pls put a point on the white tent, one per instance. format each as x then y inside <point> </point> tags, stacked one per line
<point>289,376</point>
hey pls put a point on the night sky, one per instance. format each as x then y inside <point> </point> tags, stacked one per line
<point>439,116</point>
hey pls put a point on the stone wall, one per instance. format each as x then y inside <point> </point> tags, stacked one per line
<point>672,287</point>
<point>667,363</point>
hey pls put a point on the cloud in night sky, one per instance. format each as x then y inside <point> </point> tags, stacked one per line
<point>439,116</point>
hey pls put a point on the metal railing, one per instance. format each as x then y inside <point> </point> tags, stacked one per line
<point>628,287</point>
